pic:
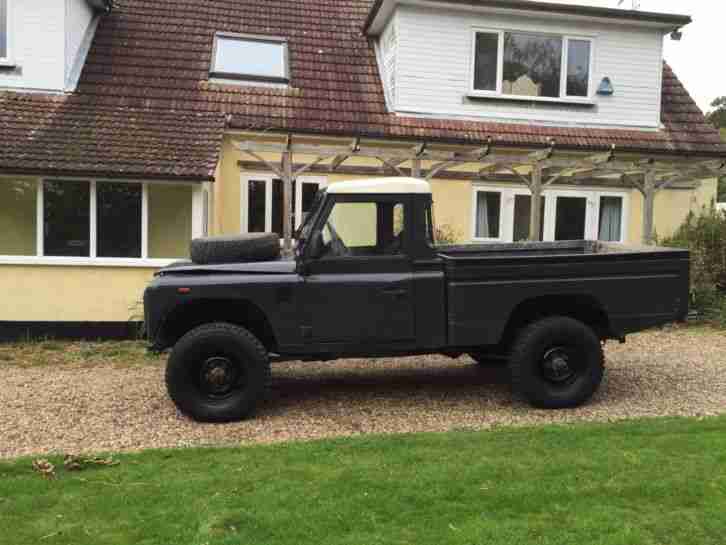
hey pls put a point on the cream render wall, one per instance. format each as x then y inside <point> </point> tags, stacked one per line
<point>72,294</point>
<point>113,294</point>
<point>672,206</point>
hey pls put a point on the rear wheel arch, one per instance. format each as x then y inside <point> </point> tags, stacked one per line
<point>193,314</point>
<point>583,308</point>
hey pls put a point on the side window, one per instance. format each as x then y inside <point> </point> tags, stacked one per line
<point>359,229</point>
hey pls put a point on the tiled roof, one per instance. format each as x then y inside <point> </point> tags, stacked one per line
<point>70,135</point>
<point>145,106</point>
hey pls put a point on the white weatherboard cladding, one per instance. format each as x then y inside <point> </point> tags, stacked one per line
<point>433,69</point>
<point>389,52</point>
<point>79,15</point>
<point>45,38</point>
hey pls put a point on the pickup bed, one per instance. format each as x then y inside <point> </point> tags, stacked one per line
<point>367,279</point>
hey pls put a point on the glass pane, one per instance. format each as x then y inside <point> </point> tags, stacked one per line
<point>277,207</point>
<point>611,219</point>
<point>398,220</point>
<point>170,221</point>
<point>486,63</point>
<point>522,217</point>
<point>18,217</point>
<point>570,221</point>
<point>488,207</point>
<point>118,220</point>
<point>3,29</point>
<point>250,58</point>
<point>352,229</point>
<point>532,65</point>
<point>578,68</point>
<point>256,202</point>
<point>66,214</point>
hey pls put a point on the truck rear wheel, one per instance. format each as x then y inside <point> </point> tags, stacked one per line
<point>557,363</point>
<point>217,373</point>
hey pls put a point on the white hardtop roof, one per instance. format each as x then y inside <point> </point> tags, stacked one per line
<point>381,186</point>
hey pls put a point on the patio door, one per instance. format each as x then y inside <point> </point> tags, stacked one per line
<point>502,214</point>
<point>262,202</point>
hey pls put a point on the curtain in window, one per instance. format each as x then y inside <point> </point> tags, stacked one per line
<point>611,215</point>
<point>482,215</point>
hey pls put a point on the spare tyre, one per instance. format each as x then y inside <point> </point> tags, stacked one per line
<point>235,249</point>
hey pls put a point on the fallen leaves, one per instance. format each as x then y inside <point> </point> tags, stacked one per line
<point>72,462</point>
<point>44,467</point>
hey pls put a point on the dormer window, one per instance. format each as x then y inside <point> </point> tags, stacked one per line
<point>531,65</point>
<point>4,31</point>
<point>250,58</point>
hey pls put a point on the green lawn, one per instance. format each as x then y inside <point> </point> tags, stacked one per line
<point>650,482</point>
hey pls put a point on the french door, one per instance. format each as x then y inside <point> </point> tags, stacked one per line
<point>262,202</point>
<point>502,214</point>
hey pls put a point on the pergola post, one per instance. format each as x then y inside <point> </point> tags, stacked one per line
<point>535,224</point>
<point>649,192</point>
<point>649,175</point>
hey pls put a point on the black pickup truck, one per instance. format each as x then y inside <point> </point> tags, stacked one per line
<point>367,279</point>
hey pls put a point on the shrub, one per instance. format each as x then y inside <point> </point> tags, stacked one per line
<point>446,234</point>
<point>705,236</point>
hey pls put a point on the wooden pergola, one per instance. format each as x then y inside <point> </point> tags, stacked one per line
<point>536,170</point>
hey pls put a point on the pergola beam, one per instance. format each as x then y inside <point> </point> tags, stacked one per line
<point>648,175</point>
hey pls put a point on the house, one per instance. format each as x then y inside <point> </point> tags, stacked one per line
<point>129,127</point>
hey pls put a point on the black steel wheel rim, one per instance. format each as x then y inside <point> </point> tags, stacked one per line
<point>219,377</point>
<point>559,365</point>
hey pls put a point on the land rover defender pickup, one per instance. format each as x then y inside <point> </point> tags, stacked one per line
<point>368,280</point>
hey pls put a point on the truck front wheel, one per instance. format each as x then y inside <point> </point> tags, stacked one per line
<point>217,373</point>
<point>557,363</point>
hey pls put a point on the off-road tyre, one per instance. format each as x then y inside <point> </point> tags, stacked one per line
<point>217,341</point>
<point>235,249</point>
<point>533,373</point>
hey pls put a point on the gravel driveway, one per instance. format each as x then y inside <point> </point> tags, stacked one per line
<point>97,405</point>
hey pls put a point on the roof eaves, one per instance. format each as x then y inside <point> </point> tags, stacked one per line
<point>676,21</point>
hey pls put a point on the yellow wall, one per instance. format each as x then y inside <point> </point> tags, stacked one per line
<point>170,221</point>
<point>672,206</point>
<point>18,216</point>
<point>73,294</point>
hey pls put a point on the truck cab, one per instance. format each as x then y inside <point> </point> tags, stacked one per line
<point>363,250</point>
<point>368,279</point>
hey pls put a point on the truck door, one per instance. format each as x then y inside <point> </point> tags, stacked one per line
<point>359,286</point>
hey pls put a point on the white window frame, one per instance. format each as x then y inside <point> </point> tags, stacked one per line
<point>564,97</point>
<point>7,60</point>
<point>269,179</point>
<point>243,77</point>
<point>92,260</point>
<point>592,218</point>
<point>504,196</point>
<point>625,214</point>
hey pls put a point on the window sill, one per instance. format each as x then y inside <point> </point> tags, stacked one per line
<point>87,262</point>
<point>584,102</point>
<point>7,64</point>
